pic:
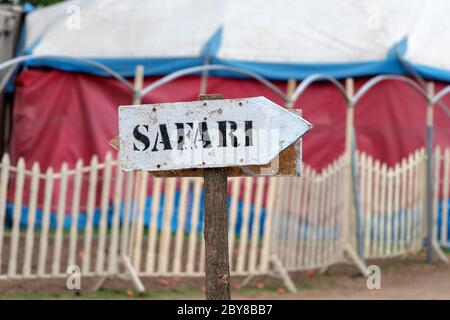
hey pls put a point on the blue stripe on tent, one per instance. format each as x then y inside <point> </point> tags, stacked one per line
<point>402,216</point>
<point>212,46</point>
<point>26,9</point>
<point>157,66</point>
<point>283,71</point>
<point>276,71</point>
<point>304,231</point>
<point>440,216</point>
<point>123,66</point>
<point>147,216</point>
<point>432,73</point>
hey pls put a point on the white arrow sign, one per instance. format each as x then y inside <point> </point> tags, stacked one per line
<point>205,134</point>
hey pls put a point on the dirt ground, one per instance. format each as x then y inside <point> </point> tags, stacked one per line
<point>401,278</point>
<point>411,278</point>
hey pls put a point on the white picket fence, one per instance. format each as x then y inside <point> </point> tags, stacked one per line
<point>44,248</point>
<point>169,243</point>
<point>90,215</point>
<point>310,215</point>
<point>182,252</point>
<point>308,226</point>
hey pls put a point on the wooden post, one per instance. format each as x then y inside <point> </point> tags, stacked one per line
<point>429,175</point>
<point>350,225</point>
<point>291,85</point>
<point>217,269</point>
<point>348,214</point>
<point>132,245</point>
<point>352,205</point>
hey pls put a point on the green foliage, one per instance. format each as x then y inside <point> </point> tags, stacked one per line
<point>33,2</point>
<point>43,2</point>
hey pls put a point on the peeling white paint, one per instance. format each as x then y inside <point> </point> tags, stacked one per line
<point>215,133</point>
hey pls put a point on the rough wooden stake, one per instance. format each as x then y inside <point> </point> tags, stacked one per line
<point>217,268</point>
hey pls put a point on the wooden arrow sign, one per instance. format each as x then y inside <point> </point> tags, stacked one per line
<point>205,134</point>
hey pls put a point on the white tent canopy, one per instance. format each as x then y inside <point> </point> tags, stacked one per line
<point>278,38</point>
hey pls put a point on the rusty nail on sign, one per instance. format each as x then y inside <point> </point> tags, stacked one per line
<point>209,135</point>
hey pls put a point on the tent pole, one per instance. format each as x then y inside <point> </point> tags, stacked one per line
<point>205,76</point>
<point>138,84</point>
<point>429,174</point>
<point>125,260</point>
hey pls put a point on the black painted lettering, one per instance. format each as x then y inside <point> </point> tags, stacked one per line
<point>180,135</point>
<point>233,128</point>
<point>249,133</point>
<point>223,133</point>
<point>202,134</point>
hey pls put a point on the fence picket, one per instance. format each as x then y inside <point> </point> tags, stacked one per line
<point>316,218</point>
<point>384,178</point>
<point>255,228</point>
<point>403,205</point>
<point>270,206</point>
<point>283,223</point>
<point>301,196</point>
<point>421,169</point>
<point>437,171</point>
<point>45,224</point>
<point>445,197</point>
<point>139,223</point>
<point>326,214</point>
<point>334,212</point>
<point>17,212</point>
<point>275,241</point>
<point>124,236</point>
<point>389,208</point>
<point>31,221</point>
<point>235,188</point>
<point>418,163</point>
<point>4,178</point>
<point>312,212</point>
<point>201,268</point>
<point>164,245</point>
<point>363,185</point>
<point>410,203</point>
<point>194,224</point>
<point>303,225</point>
<point>77,185</point>
<point>298,219</point>
<point>341,218</point>
<point>134,216</point>
<point>395,213</point>
<point>291,221</point>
